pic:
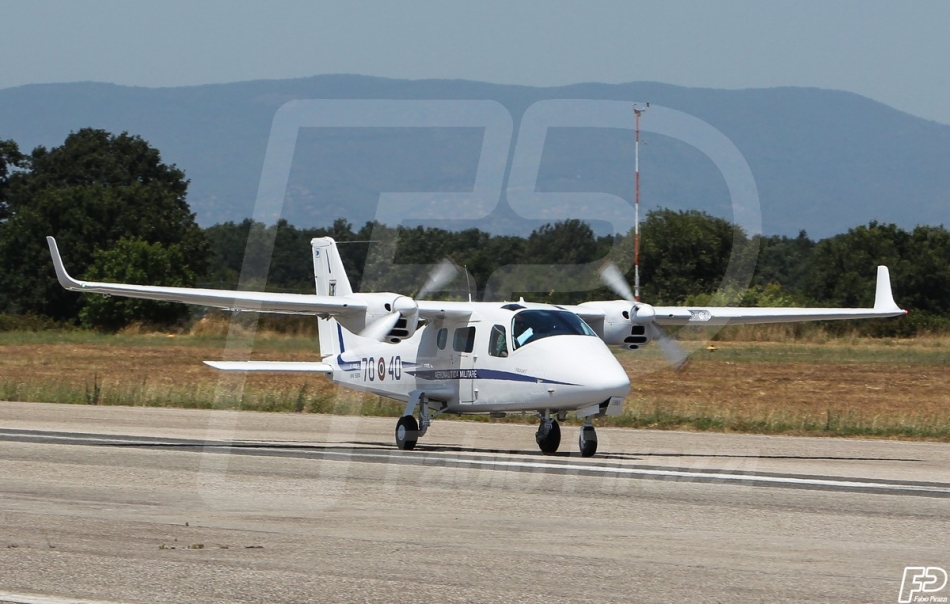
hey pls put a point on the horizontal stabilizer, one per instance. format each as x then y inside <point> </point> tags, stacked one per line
<point>284,366</point>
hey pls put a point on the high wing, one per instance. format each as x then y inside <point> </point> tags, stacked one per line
<point>884,306</point>
<point>436,309</point>
<point>217,298</point>
<point>632,324</point>
<point>592,315</point>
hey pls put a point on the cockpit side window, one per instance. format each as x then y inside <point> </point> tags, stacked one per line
<point>497,342</point>
<point>530,325</point>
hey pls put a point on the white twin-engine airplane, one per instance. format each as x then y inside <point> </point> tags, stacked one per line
<point>476,357</point>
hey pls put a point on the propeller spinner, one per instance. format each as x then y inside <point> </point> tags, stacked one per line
<point>643,314</point>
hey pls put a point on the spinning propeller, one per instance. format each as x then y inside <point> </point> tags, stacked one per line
<point>440,276</point>
<point>403,306</point>
<point>643,314</point>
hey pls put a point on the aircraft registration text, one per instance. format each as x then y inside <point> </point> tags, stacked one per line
<point>379,370</point>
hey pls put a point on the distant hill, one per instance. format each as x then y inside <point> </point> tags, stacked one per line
<point>823,160</point>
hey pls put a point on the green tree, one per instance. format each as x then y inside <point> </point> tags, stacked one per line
<point>290,267</point>
<point>565,242</point>
<point>926,284</point>
<point>783,261</point>
<point>843,268</point>
<point>683,253</point>
<point>89,193</point>
<point>140,262</point>
<point>11,160</point>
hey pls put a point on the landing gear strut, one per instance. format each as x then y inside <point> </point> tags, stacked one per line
<point>587,441</point>
<point>548,435</point>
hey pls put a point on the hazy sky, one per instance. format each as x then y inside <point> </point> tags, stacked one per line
<point>894,52</point>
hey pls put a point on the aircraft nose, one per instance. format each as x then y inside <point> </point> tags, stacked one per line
<point>589,364</point>
<point>608,377</point>
<point>615,378</point>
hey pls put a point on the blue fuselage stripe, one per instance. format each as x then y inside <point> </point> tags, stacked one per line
<point>481,374</point>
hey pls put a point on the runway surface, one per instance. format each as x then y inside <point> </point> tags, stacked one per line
<point>112,504</point>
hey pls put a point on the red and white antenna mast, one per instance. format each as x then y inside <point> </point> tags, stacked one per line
<point>637,110</point>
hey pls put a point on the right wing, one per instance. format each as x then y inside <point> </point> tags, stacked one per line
<point>218,298</point>
<point>436,309</point>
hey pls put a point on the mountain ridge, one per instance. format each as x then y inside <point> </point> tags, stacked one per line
<point>823,160</point>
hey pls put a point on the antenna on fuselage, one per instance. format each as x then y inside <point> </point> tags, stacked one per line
<point>637,110</point>
<point>468,285</point>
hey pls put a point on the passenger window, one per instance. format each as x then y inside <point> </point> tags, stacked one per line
<point>464,340</point>
<point>441,338</point>
<point>497,342</point>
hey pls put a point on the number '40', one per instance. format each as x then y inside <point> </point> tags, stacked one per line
<point>395,368</point>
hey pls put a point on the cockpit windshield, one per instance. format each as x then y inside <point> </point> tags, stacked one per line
<point>530,325</point>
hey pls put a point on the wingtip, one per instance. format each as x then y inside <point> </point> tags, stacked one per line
<point>883,294</point>
<point>64,279</point>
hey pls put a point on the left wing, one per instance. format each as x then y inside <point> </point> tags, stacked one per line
<point>592,315</point>
<point>884,306</point>
<point>631,323</point>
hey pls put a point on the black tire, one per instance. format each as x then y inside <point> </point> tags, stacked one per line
<point>552,441</point>
<point>407,432</point>
<point>587,441</point>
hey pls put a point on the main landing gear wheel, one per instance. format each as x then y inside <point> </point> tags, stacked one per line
<point>587,441</point>
<point>407,432</point>
<point>548,442</point>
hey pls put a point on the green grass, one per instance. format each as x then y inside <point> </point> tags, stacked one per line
<point>264,341</point>
<point>889,353</point>
<point>104,385</point>
<point>638,414</point>
<point>650,415</point>
<point>300,399</point>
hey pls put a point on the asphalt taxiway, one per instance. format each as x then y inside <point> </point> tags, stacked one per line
<point>123,504</point>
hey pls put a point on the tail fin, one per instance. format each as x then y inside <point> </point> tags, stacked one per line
<point>330,280</point>
<point>328,272</point>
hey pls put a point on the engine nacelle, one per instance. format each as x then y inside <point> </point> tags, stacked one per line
<point>379,305</point>
<point>624,323</point>
<point>405,327</point>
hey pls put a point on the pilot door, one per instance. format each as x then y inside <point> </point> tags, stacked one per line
<point>463,345</point>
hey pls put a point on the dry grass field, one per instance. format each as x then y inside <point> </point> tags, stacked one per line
<point>817,386</point>
<point>862,388</point>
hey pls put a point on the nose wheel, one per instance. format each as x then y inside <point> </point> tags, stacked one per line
<point>587,441</point>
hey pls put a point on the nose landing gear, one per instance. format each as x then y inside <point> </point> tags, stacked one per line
<point>587,441</point>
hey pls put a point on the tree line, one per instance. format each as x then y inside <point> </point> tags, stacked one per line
<point>120,214</point>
